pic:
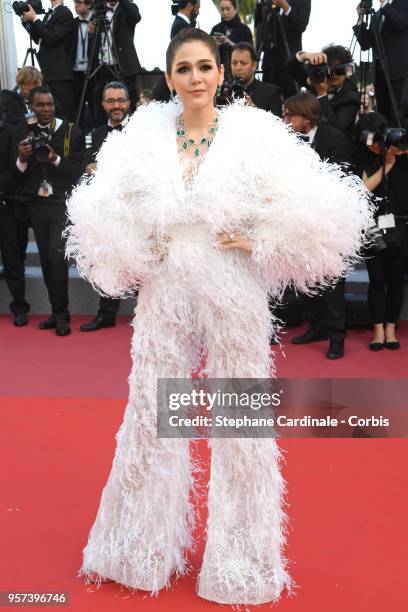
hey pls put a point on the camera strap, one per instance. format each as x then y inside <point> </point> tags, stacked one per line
<point>67,140</point>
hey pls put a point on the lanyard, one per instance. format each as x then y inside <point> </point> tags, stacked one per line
<point>84,38</point>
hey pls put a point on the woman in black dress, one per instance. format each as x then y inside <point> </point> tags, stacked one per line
<point>229,32</point>
<point>384,169</point>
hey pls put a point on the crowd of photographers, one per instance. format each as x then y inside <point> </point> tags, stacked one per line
<point>87,84</point>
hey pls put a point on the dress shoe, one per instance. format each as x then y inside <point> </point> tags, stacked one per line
<point>309,336</point>
<point>336,350</point>
<point>393,346</point>
<point>62,327</point>
<point>20,319</point>
<point>48,323</point>
<point>376,346</point>
<point>97,323</point>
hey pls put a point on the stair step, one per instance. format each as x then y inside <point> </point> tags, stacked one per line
<point>84,300</point>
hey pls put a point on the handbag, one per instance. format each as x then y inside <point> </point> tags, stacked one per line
<point>394,236</point>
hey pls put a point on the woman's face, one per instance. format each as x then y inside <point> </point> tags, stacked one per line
<point>227,10</point>
<point>195,75</point>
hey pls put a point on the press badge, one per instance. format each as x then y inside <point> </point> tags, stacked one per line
<point>45,190</point>
<point>386,221</point>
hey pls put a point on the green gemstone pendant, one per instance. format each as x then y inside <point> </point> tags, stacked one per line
<point>204,141</point>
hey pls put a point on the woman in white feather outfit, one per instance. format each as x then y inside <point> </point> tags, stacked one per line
<point>205,232</point>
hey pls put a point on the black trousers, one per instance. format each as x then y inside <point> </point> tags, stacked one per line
<point>385,289</point>
<point>383,97</point>
<point>13,247</point>
<point>274,72</point>
<point>86,122</point>
<point>327,312</point>
<point>49,220</point>
<point>64,93</point>
<point>102,78</point>
<point>108,308</point>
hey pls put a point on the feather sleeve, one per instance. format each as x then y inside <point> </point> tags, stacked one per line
<point>107,234</point>
<point>311,216</point>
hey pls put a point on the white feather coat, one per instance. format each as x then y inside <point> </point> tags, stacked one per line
<point>306,216</point>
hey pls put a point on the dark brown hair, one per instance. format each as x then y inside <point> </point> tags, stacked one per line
<point>306,105</point>
<point>188,35</point>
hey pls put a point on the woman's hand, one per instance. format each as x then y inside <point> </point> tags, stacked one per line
<point>234,240</point>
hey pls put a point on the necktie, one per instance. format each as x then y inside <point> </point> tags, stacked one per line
<point>304,137</point>
<point>47,16</point>
<point>115,128</point>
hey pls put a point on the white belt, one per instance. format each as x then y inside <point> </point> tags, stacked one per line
<point>189,233</point>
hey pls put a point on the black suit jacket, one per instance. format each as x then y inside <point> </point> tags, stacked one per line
<point>179,24</point>
<point>266,96</point>
<point>332,145</point>
<point>394,35</point>
<point>341,110</point>
<point>55,33</point>
<point>62,177</point>
<point>294,25</point>
<point>7,169</point>
<point>14,107</point>
<point>98,137</point>
<point>125,19</point>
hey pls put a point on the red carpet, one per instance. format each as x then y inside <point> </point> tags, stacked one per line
<point>61,402</point>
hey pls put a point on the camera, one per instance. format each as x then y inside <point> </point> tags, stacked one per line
<point>22,7</point>
<point>234,90</point>
<point>99,10</point>
<point>321,72</point>
<point>37,139</point>
<point>317,74</point>
<point>388,137</point>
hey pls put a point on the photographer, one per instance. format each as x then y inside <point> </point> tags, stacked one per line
<point>383,167</point>
<point>229,32</point>
<point>388,31</point>
<point>49,162</point>
<point>325,73</point>
<point>13,242</point>
<point>54,37</point>
<point>80,56</point>
<point>186,17</point>
<point>15,102</point>
<point>326,312</point>
<point>115,51</point>
<point>279,28</point>
<point>116,104</point>
<point>244,62</point>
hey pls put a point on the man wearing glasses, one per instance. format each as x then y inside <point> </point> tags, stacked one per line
<point>116,104</point>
